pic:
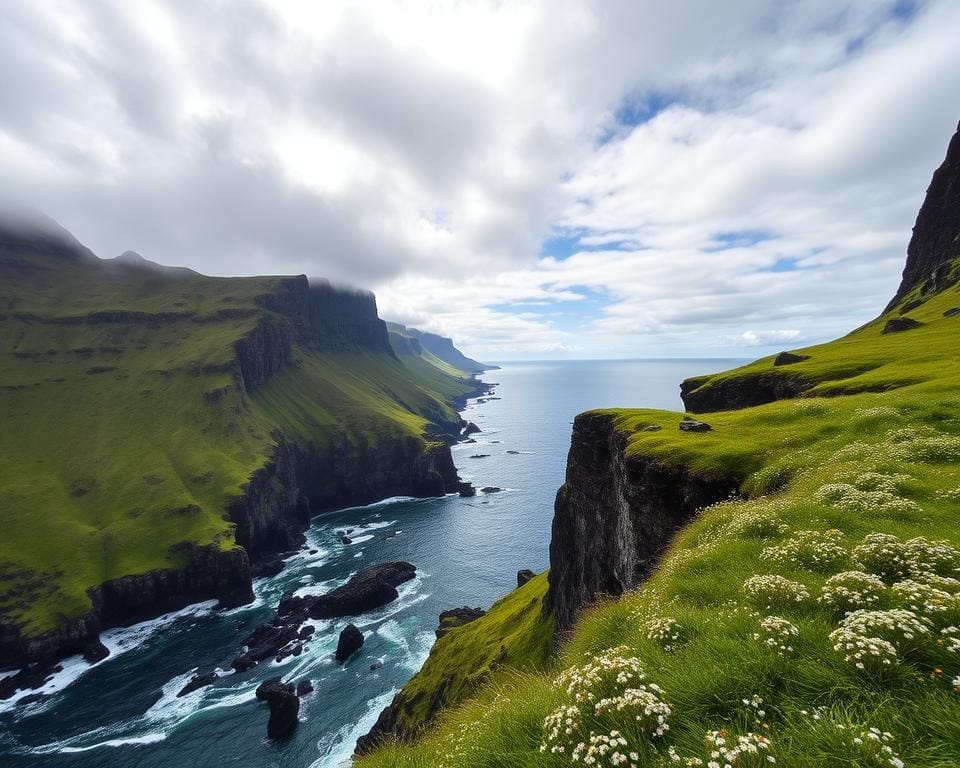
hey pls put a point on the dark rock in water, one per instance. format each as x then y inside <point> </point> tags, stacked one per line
<point>692,425</point>
<point>494,442</point>
<point>491,489</point>
<point>514,453</point>
<point>243,663</point>
<point>468,440</point>
<point>270,565</point>
<point>457,617</point>
<point>952,312</point>
<point>266,641</point>
<point>480,456</point>
<point>470,429</point>
<point>306,632</point>
<point>304,687</point>
<point>367,590</point>
<point>30,677</point>
<point>351,641</point>
<point>349,531</point>
<point>897,324</point>
<point>523,576</point>
<point>787,358</point>
<point>344,539</point>
<point>197,682</point>
<point>466,489</point>
<point>284,706</point>
<point>314,551</point>
<point>95,652</point>
<point>376,665</point>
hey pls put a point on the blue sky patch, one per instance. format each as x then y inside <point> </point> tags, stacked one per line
<point>739,238</point>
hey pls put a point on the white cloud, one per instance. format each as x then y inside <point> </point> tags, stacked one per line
<point>428,150</point>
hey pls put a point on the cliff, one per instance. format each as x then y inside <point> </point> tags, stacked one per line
<point>615,515</point>
<point>416,342</point>
<point>183,426</point>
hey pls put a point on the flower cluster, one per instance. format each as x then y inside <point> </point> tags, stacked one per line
<point>605,749</point>
<point>605,692</point>
<point>924,598</point>
<point>870,654</point>
<point>850,590</point>
<point>605,671</point>
<point>878,413</point>
<point>950,639</point>
<point>873,746</point>
<point>724,750</point>
<point>777,634</point>
<point>952,494</point>
<point>898,626</point>
<point>889,557</point>
<point>756,523</point>
<point>924,444</point>
<point>809,549</point>
<point>883,501</point>
<point>666,632</point>
<point>770,591</point>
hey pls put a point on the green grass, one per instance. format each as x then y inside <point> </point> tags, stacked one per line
<point>113,449</point>
<point>892,417</point>
<point>513,635</point>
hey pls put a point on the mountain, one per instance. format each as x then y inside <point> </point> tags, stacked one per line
<point>775,573</point>
<point>418,343</point>
<point>163,431</point>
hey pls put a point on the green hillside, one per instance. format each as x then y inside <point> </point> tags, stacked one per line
<point>137,402</point>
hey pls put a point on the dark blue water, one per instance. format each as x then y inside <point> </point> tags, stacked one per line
<point>124,711</point>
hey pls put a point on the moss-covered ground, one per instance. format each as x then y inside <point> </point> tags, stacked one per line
<point>739,643</point>
<point>122,440</point>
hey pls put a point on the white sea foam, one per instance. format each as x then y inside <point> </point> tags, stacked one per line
<point>361,539</point>
<point>118,641</point>
<point>336,749</point>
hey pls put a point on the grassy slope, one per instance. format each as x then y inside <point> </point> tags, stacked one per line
<point>110,455</point>
<point>907,439</point>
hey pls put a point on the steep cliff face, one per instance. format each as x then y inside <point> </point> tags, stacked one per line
<point>741,392</point>
<point>936,235</point>
<point>615,515</point>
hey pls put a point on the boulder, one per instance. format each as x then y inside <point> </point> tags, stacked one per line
<point>470,429</point>
<point>480,456</point>
<point>898,324</point>
<point>376,665</point>
<point>787,358</point>
<point>491,489</point>
<point>692,425</point>
<point>524,576</point>
<point>367,590</point>
<point>344,539</point>
<point>284,707</point>
<point>197,682</point>
<point>514,453</point>
<point>466,489</point>
<point>952,312</point>
<point>457,617</point>
<point>304,687</point>
<point>351,641</point>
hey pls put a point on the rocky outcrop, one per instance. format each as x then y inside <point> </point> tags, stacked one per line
<point>789,358</point>
<point>936,235</point>
<point>349,642</point>
<point>899,324</point>
<point>704,395</point>
<point>457,617</point>
<point>366,590</point>
<point>523,576</point>
<point>615,515</point>
<point>284,707</point>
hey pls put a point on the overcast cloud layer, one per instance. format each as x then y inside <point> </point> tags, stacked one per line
<point>537,179</point>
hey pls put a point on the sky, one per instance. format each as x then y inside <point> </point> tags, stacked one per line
<point>538,180</point>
